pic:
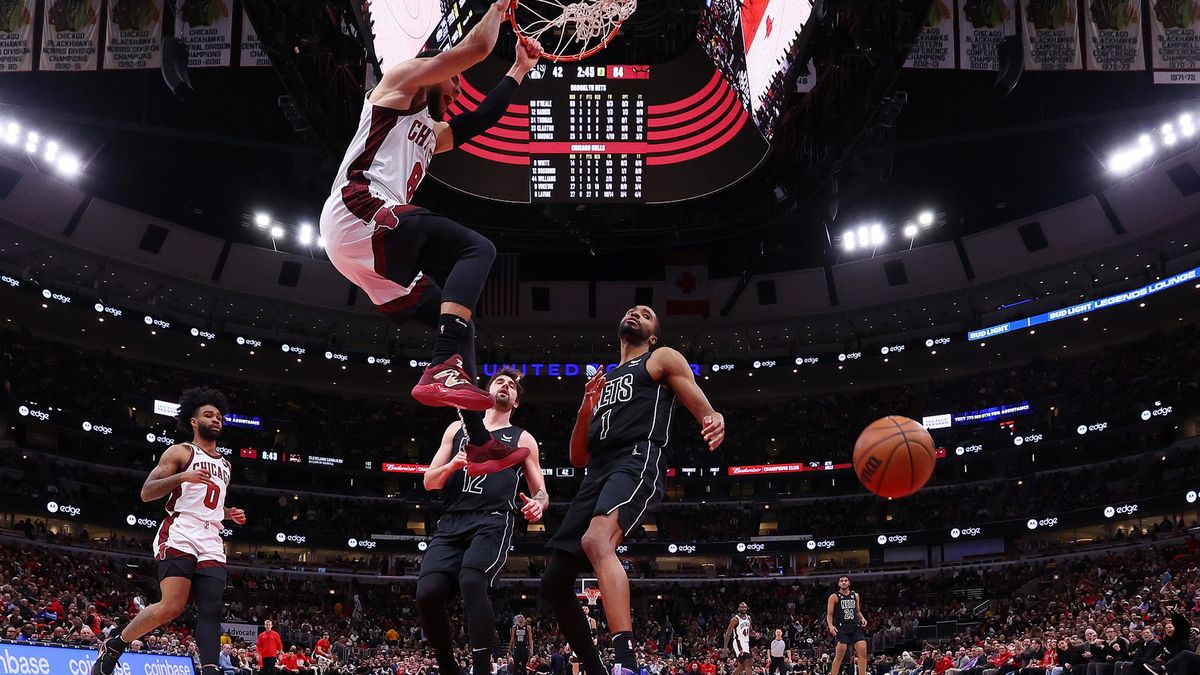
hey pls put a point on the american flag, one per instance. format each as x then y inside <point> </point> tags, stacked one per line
<point>501,294</point>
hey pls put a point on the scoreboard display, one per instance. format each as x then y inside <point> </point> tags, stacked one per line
<point>579,133</point>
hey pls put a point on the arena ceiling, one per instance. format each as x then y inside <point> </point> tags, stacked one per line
<point>947,141</point>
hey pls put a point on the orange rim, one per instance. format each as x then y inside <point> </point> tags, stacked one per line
<point>556,58</point>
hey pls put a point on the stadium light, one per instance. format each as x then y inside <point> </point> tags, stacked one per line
<point>277,232</point>
<point>13,136</point>
<point>306,234</point>
<point>925,218</point>
<point>321,243</point>
<point>51,151</point>
<point>848,241</point>
<point>68,165</point>
<point>878,236</point>
<point>262,219</point>
<point>910,231</point>
<point>864,235</point>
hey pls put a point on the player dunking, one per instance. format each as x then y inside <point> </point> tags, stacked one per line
<point>739,630</point>
<point>520,641</point>
<point>845,620</point>
<point>414,264</point>
<point>188,548</point>
<point>620,433</point>
<point>471,544</point>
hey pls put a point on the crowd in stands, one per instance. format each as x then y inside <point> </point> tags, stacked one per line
<point>1039,614</point>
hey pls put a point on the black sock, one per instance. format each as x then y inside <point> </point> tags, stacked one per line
<point>481,661</point>
<point>477,434</point>
<point>622,643</point>
<point>451,331</point>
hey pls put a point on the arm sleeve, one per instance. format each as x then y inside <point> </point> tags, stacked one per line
<point>469,124</point>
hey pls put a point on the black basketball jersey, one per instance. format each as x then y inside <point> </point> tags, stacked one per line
<point>519,633</point>
<point>490,492</point>
<point>633,409</point>
<point>847,609</point>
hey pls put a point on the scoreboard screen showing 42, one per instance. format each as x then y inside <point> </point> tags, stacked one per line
<point>611,133</point>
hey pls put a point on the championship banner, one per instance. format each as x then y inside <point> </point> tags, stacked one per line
<point>982,24</point>
<point>250,53</point>
<point>207,31</point>
<point>70,35</point>
<point>16,35</point>
<point>1114,35</point>
<point>1051,34</point>
<point>134,37</point>
<point>934,47</point>
<point>1175,37</point>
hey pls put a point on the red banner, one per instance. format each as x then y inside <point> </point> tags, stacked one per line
<point>392,467</point>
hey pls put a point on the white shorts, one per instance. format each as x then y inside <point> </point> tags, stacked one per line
<point>186,535</point>
<point>354,223</point>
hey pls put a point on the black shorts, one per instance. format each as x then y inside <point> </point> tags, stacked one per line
<point>178,564</point>
<point>474,540</point>
<point>630,482</point>
<point>744,656</point>
<point>521,656</point>
<point>849,635</point>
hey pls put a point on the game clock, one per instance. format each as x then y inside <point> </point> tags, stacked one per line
<point>580,133</point>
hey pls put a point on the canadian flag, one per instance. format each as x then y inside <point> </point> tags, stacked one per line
<point>687,284</point>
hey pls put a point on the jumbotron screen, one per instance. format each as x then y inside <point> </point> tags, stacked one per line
<point>614,133</point>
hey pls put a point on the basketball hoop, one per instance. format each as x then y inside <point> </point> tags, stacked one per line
<point>592,595</point>
<point>570,31</point>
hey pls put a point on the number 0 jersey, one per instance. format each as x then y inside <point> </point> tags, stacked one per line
<point>389,153</point>
<point>633,409</point>
<point>203,501</point>
<point>487,493</point>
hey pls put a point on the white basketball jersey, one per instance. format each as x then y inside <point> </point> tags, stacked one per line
<point>389,153</point>
<point>741,634</point>
<point>202,501</point>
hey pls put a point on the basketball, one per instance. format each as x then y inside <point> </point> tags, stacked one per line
<point>894,456</point>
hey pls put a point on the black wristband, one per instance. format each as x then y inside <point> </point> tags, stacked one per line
<point>469,124</point>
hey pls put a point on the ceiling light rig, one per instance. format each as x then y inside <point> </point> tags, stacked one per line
<point>43,151</point>
<point>303,233</point>
<point>871,236</point>
<point>1170,136</point>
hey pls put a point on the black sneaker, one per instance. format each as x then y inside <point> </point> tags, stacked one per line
<point>110,652</point>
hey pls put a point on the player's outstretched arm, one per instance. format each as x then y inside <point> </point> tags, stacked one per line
<point>464,126</point>
<point>474,48</point>
<point>669,366</point>
<point>536,505</point>
<point>170,474</point>
<point>579,435</point>
<point>445,461</point>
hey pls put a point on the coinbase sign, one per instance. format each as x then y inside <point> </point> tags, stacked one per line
<point>18,659</point>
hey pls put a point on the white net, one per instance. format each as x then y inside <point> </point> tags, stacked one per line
<point>592,594</point>
<point>571,30</point>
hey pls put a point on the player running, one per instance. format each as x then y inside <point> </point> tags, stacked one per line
<point>473,536</point>
<point>620,434</point>
<point>188,548</point>
<point>739,630</point>
<point>414,264</point>
<point>845,620</point>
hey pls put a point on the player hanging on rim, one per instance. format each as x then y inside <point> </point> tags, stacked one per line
<point>845,620</point>
<point>414,264</point>
<point>188,548</point>
<point>739,630</point>
<point>472,539</point>
<point>620,433</point>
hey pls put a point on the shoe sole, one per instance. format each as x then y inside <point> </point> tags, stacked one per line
<point>440,397</point>
<point>494,465</point>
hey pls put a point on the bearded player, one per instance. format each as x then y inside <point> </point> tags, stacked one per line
<point>845,621</point>
<point>414,264</point>
<point>739,631</point>
<point>188,548</point>
<point>620,435</point>
<point>473,536</point>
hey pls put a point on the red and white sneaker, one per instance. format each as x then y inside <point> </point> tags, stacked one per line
<point>448,385</point>
<point>492,457</point>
